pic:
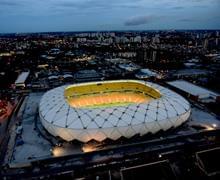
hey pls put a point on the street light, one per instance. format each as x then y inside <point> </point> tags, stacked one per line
<point>160,155</point>
<point>214,125</point>
<point>88,148</point>
<point>58,151</point>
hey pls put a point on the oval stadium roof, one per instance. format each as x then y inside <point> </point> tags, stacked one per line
<point>98,123</point>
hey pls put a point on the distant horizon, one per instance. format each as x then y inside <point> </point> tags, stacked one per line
<point>92,31</point>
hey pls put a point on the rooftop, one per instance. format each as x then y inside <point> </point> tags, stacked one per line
<point>22,77</point>
<point>192,88</point>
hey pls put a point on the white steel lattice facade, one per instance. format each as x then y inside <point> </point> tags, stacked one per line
<point>85,123</point>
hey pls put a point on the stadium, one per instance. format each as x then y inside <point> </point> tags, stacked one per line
<point>111,110</point>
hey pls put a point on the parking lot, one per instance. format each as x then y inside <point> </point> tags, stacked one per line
<point>33,146</point>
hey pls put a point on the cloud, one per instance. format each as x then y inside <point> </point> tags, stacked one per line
<point>9,3</point>
<point>94,4</point>
<point>187,20</point>
<point>38,15</point>
<point>139,20</point>
<point>178,7</point>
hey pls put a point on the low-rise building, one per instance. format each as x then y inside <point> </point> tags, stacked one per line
<point>195,92</point>
<point>21,80</point>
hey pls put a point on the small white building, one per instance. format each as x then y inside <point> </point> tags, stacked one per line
<point>145,74</point>
<point>130,67</point>
<point>195,92</point>
<point>53,78</point>
<point>20,81</point>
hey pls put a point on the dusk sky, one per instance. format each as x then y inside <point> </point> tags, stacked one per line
<point>86,15</point>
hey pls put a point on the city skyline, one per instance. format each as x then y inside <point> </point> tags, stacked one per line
<point>97,15</point>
